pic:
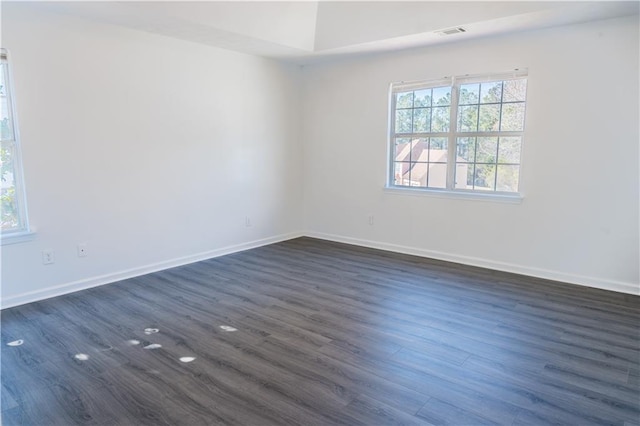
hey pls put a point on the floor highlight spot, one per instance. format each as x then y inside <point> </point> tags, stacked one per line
<point>228,328</point>
<point>151,330</point>
<point>16,343</point>
<point>133,342</point>
<point>153,346</point>
<point>187,359</point>
<point>81,357</point>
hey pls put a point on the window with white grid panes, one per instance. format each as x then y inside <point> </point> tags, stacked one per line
<point>480,152</point>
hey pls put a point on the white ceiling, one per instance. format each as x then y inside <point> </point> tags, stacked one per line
<point>308,31</point>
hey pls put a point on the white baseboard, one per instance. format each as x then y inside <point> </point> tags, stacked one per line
<point>34,296</point>
<point>618,286</point>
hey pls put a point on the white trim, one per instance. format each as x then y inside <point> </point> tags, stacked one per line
<point>59,290</point>
<point>581,280</point>
<point>17,237</point>
<point>452,141</point>
<point>408,86</point>
<point>456,194</point>
<point>483,78</point>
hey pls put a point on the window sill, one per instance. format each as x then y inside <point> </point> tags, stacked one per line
<point>18,237</point>
<point>460,195</point>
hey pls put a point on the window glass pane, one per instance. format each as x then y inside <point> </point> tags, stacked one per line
<point>438,143</point>
<point>401,149</point>
<point>404,100</point>
<point>6,131</point>
<point>422,98</point>
<point>437,175</point>
<point>509,150</point>
<point>508,178</point>
<point>469,94</point>
<point>471,172</point>
<point>489,120</point>
<point>464,176</point>
<point>403,120</point>
<point>484,178</point>
<point>10,217</point>
<point>512,117</point>
<point>486,150</point>
<point>490,92</point>
<point>440,120</point>
<point>468,118</point>
<point>421,120</point>
<point>6,127</point>
<point>466,150</point>
<point>401,173</point>
<point>438,155</point>
<point>442,96</point>
<point>3,84</point>
<point>515,90</point>
<point>420,149</point>
<point>418,174</point>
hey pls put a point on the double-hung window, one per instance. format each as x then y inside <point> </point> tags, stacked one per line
<point>13,208</point>
<point>458,134</point>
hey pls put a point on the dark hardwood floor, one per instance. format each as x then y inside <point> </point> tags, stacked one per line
<point>322,334</point>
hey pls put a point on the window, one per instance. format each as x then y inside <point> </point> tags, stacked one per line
<point>13,209</point>
<point>461,134</point>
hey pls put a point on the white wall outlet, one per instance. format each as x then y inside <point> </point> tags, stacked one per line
<point>47,257</point>
<point>82,250</point>
<point>371,219</point>
<point>247,221</point>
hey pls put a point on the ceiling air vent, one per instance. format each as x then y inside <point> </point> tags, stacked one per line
<point>449,31</point>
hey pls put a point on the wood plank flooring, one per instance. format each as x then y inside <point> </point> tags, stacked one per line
<point>324,334</point>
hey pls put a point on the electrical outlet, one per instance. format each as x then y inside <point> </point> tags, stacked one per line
<point>47,257</point>
<point>247,221</point>
<point>371,219</point>
<point>82,250</point>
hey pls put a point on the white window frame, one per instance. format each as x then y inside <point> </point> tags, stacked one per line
<point>23,231</point>
<point>450,191</point>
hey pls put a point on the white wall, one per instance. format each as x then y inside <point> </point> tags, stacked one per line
<point>579,218</point>
<point>149,149</point>
<point>154,150</point>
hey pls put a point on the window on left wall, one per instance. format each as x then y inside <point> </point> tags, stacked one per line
<point>13,206</point>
